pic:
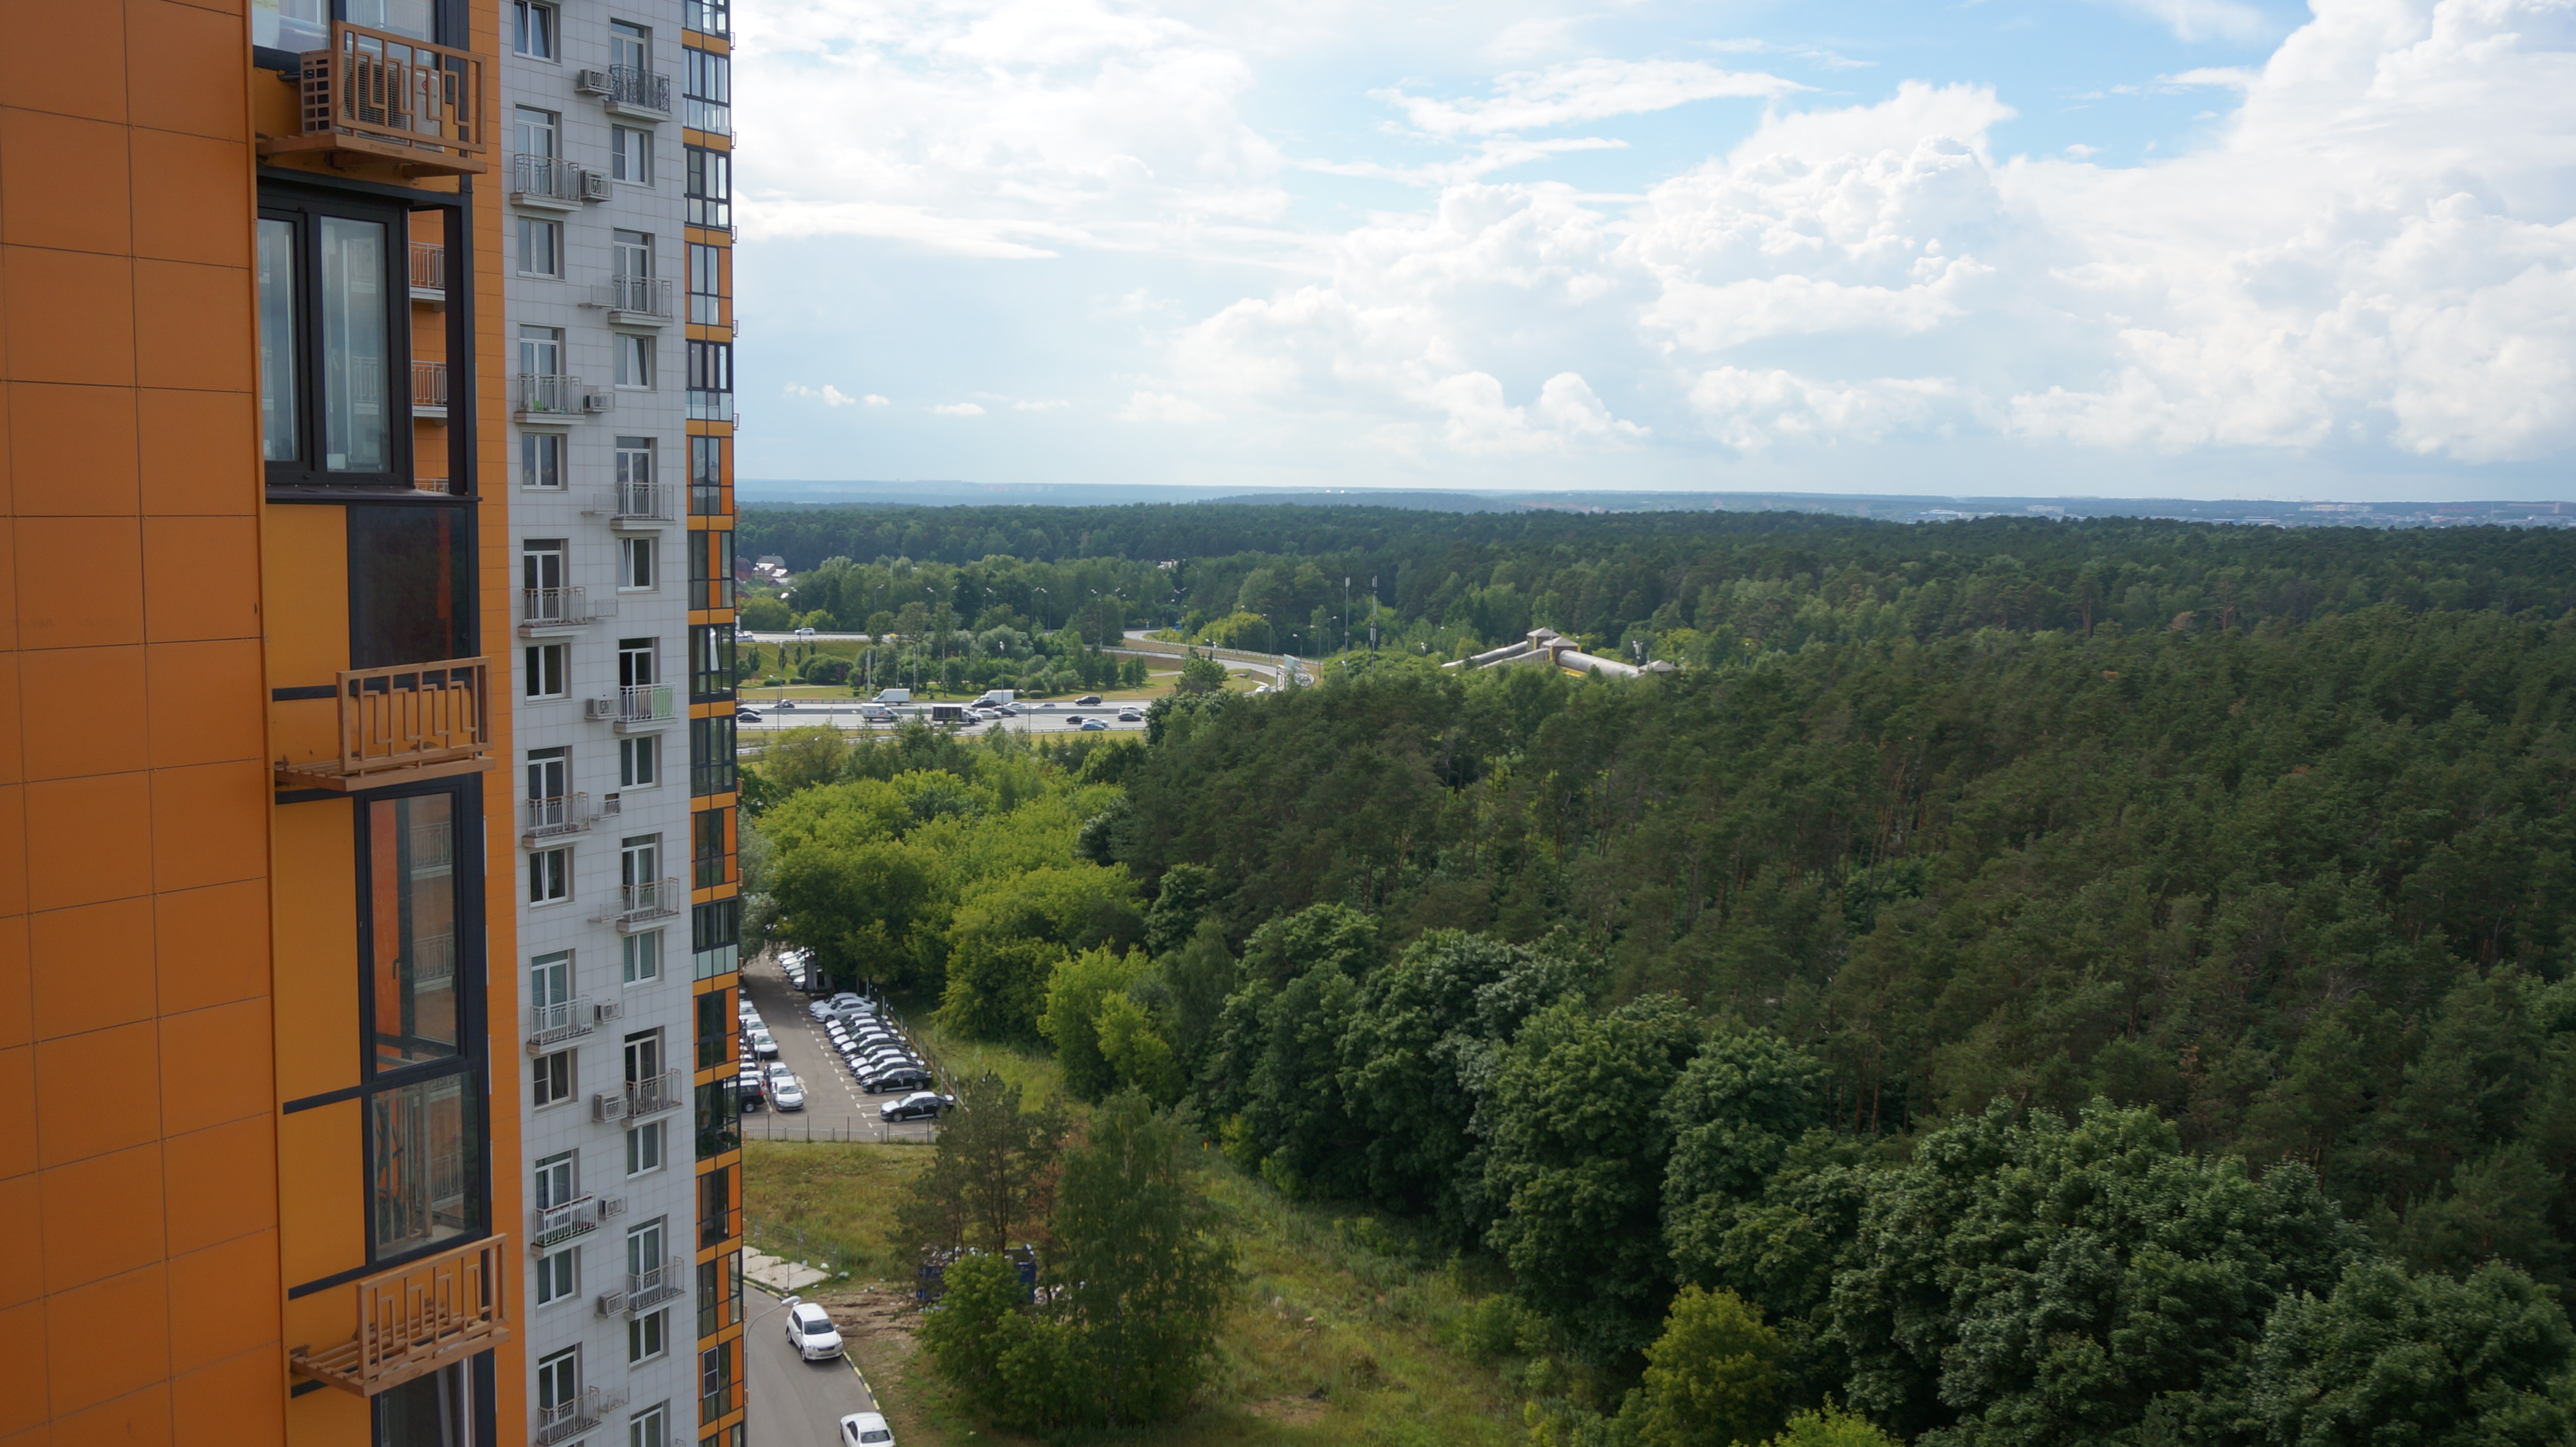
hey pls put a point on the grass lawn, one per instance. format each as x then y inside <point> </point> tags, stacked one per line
<point>1338,1330</point>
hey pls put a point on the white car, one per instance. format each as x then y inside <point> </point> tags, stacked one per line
<point>810,1331</point>
<point>785,1093</point>
<point>761,1043</point>
<point>866,1429</point>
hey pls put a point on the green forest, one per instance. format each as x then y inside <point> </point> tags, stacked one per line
<point>2018,982</point>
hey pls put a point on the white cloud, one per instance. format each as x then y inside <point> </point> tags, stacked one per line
<point>2204,19</point>
<point>1752,410</point>
<point>958,409</point>
<point>1567,412</point>
<point>831,396</point>
<point>1164,407</point>
<point>1584,90</point>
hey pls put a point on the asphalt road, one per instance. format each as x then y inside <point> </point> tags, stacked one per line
<point>835,1107</point>
<point>794,1403</point>
<point>808,713</point>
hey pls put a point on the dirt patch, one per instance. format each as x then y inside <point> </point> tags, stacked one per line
<point>871,1313</point>
<point>1288,1411</point>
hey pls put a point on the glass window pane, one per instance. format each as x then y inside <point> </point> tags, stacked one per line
<point>425,1163</point>
<point>355,420</point>
<point>277,371</point>
<point>297,25</point>
<point>412,896</point>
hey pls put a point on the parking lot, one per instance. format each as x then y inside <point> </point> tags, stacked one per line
<point>835,1107</point>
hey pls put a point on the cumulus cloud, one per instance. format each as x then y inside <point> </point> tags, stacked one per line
<point>1584,90</point>
<point>958,409</point>
<point>831,396</point>
<point>1480,423</point>
<point>1751,410</point>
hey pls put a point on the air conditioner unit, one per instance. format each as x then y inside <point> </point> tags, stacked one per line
<point>597,401</point>
<point>611,1009</point>
<point>590,82</point>
<point>611,1302</point>
<point>597,708</point>
<point>611,1206</point>
<point>594,185</point>
<point>608,1107</point>
<point>609,807</point>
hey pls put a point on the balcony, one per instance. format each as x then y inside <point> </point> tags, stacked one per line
<point>554,1225</point>
<point>707,17</point>
<point>377,96</point>
<point>543,397</point>
<point>429,273</point>
<point>566,1420</point>
<point>629,91</point>
<point>634,301</point>
<point>710,406</point>
<point>557,610</point>
<point>418,1318</point>
<point>652,1095</point>
<point>630,505</point>
<point>551,183</point>
<point>643,708</point>
<point>646,1290</point>
<point>712,116</point>
<point>554,816</point>
<point>411,721</point>
<point>429,394</point>
<point>551,1025</point>
<point>654,899</point>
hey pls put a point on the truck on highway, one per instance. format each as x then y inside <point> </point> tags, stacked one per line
<point>894,695</point>
<point>997,697</point>
<point>948,713</point>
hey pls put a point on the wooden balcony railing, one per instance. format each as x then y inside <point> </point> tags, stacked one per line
<point>418,1318</point>
<point>415,720</point>
<point>391,98</point>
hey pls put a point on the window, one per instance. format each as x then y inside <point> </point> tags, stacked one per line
<point>558,1379</point>
<point>557,1178</point>
<point>541,459</point>
<point>629,45</point>
<point>545,669</point>
<point>634,461</point>
<point>553,1075</point>
<point>647,1337</point>
<point>630,155</point>
<point>710,662</point>
<point>710,191</point>
<point>643,1056</point>
<point>424,1164</point>
<point>537,132</point>
<point>556,1278</point>
<point>296,25</point>
<point>403,17</point>
<point>541,351</point>
<point>634,564</point>
<point>635,662</point>
<point>410,922</point>
<point>711,381</point>
<point>436,1410</point>
<point>711,756</point>
<point>550,982</point>
<point>706,87</point>
<point>707,477</point>
<point>639,762</point>
<point>719,1114</point>
<point>540,247</point>
<point>710,849</point>
<point>411,585</point>
<point>334,333</point>
<point>644,957</point>
<point>716,1034</point>
<point>634,361</point>
<point>644,1148</point>
<point>649,1428</point>
<point>549,876</point>
<point>706,284</point>
<point>639,860</point>
<point>708,17</point>
<point>631,252</point>
<point>532,29</point>
<point>541,571</point>
<point>715,1381</point>
<point>711,568</point>
<point>549,775</point>
<point>714,930</point>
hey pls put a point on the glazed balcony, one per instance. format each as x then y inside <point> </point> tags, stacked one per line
<point>418,1318</point>
<point>707,17</point>
<point>411,721</point>
<point>378,96</point>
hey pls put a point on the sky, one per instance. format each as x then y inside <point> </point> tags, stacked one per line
<point>2187,248</point>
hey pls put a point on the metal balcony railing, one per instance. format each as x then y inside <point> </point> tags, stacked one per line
<point>560,814</point>
<point>633,502</point>
<point>629,87</point>
<point>646,1290</point>
<point>566,1420</point>
<point>655,1094</point>
<point>429,389</point>
<point>644,703</point>
<point>555,608</point>
<point>392,98</point>
<point>551,1025</point>
<point>554,1225</point>
<point>421,720</point>
<point>653,899</point>
<point>634,296</point>
<point>428,271</point>
<point>553,394</point>
<point>418,1318</point>
<point>546,179</point>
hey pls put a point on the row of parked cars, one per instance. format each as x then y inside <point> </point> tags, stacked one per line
<point>763,1079</point>
<point>879,1058</point>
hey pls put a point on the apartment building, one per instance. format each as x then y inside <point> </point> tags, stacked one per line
<point>250,1039</point>
<point>616,121</point>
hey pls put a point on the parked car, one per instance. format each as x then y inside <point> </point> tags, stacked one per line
<point>910,1077</point>
<point>810,1331</point>
<point>785,1091</point>
<point>866,1429</point>
<point>846,998</point>
<point>1094,726</point>
<point>1088,700</point>
<point>820,1009</point>
<point>917,1105</point>
<point>763,1044</point>
<point>755,1090</point>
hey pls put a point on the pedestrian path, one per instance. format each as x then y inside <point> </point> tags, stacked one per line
<point>778,1275</point>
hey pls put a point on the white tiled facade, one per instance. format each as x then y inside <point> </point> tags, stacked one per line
<point>598,307</point>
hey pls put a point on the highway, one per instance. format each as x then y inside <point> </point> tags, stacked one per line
<point>1041,718</point>
<point>794,1403</point>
